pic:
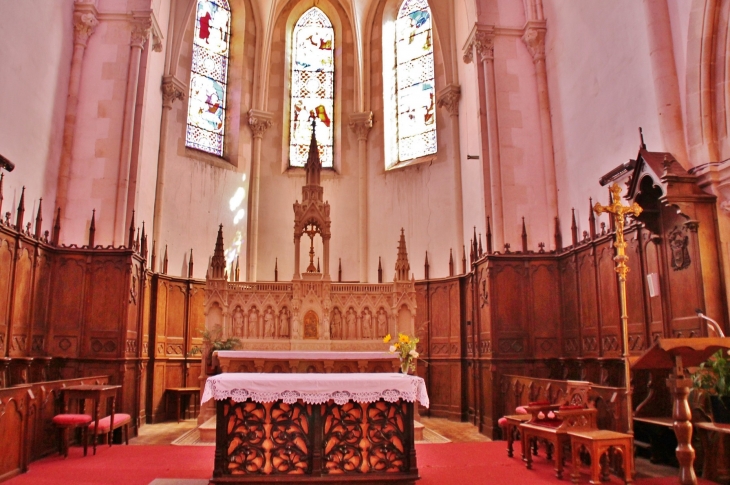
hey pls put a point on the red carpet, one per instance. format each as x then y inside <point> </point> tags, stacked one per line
<point>438,464</point>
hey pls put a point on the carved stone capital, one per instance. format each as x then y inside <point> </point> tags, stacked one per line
<point>172,89</point>
<point>534,39</point>
<point>361,123</point>
<point>140,32</point>
<point>85,22</point>
<point>481,41</point>
<point>259,122</point>
<point>449,98</point>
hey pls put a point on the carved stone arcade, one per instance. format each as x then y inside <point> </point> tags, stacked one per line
<point>310,312</point>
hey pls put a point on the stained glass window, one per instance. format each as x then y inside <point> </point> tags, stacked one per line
<point>415,88</point>
<point>312,87</point>
<point>207,102</point>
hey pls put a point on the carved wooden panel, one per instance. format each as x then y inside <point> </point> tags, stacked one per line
<point>196,317</point>
<point>545,309</point>
<point>107,295</point>
<point>570,306</point>
<point>7,256</point>
<point>175,318</point>
<point>41,295</point>
<point>509,290</point>
<point>67,295</point>
<point>652,263</point>
<point>13,436</point>
<point>20,343</point>
<point>635,295</point>
<point>588,302</point>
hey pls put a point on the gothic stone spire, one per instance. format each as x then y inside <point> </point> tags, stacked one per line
<point>314,165</point>
<point>218,262</point>
<point>402,268</point>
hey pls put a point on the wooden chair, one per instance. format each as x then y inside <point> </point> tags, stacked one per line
<point>65,421</point>
<point>551,423</point>
<point>108,424</point>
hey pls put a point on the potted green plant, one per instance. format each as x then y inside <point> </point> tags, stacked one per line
<point>713,376</point>
<point>213,340</point>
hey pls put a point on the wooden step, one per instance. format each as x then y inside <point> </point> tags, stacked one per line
<point>207,431</point>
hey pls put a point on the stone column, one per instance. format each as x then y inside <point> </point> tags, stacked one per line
<point>449,98</point>
<point>259,122</point>
<point>481,42</point>
<point>297,248</point>
<point>85,22</point>
<point>172,89</point>
<point>326,258</point>
<point>140,31</point>
<point>666,83</point>
<point>361,123</point>
<point>534,39</point>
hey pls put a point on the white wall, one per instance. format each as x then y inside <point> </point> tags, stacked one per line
<point>35,53</point>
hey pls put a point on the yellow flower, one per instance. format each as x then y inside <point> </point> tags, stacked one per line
<point>404,338</point>
<point>386,339</point>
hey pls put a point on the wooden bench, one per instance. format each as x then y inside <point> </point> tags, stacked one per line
<point>551,423</point>
<point>108,424</point>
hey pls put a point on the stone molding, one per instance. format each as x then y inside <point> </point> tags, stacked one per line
<point>172,89</point>
<point>534,39</point>
<point>449,98</point>
<point>481,41</point>
<point>259,122</point>
<point>361,123</point>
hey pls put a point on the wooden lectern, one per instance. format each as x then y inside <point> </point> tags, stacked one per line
<point>676,354</point>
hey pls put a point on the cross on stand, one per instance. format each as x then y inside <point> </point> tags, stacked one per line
<point>619,213</point>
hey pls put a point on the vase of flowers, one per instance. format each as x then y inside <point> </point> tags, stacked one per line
<point>405,347</point>
<point>713,376</point>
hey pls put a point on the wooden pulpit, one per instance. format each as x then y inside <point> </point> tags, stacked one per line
<point>676,354</point>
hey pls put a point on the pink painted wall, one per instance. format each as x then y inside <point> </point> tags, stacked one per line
<point>601,92</point>
<point>35,49</point>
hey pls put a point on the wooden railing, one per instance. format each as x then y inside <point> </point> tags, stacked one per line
<point>26,428</point>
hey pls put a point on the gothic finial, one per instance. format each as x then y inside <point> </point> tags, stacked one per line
<point>56,228</point>
<point>131,232</point>
<point>276,269</point>
<point>21,212</point>
<point>164,261</point>
<point>463,259</point>
<point>92,229</point>
<point>218,262</point>
<point>591,219</point>
<point>339,271</point>
<point>2,175</point>
<point>489,236</point>
<point>238,269</point>
<point>574,229</point>
<point>318,270</point>
<point>558,236</point>
<point>38,218</point>
<point>313,165</point>
<point>641,137</point>
<point>154,256</point>
<point>136,241</point>
<point>402,268</point>
<point>380,271</point>
<point>524,236</point>
<point>426,268</point>
<point>190,264</point>
<point>451,262</point>
<point>143,242</point>
<point>475,247</point>
<point>481,250</point>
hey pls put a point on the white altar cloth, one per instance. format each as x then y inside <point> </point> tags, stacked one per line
<point>315,388</point>
<point>304,355</point>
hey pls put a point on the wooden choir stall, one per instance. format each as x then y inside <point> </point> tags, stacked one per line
<point>315,428</point>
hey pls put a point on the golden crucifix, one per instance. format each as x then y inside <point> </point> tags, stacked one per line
<point>619,213</point>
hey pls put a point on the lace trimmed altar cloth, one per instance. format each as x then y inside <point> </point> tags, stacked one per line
<point>304,355</point>
<point>316,388</point>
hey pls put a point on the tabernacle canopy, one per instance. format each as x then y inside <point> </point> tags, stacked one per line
<point>316,388</point>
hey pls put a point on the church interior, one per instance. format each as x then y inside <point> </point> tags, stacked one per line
<point>538,191</point>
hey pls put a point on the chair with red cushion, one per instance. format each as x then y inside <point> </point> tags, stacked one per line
<point>64,422</point>
<point>109,424</point>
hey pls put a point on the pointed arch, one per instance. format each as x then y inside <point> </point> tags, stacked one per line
<point>415,88</point>
<point>312,93</point>
<point>209,77</point>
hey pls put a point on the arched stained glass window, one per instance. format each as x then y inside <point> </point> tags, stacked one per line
<point>209,76</point>
<point>312,87</point>
<point>415,88</point>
